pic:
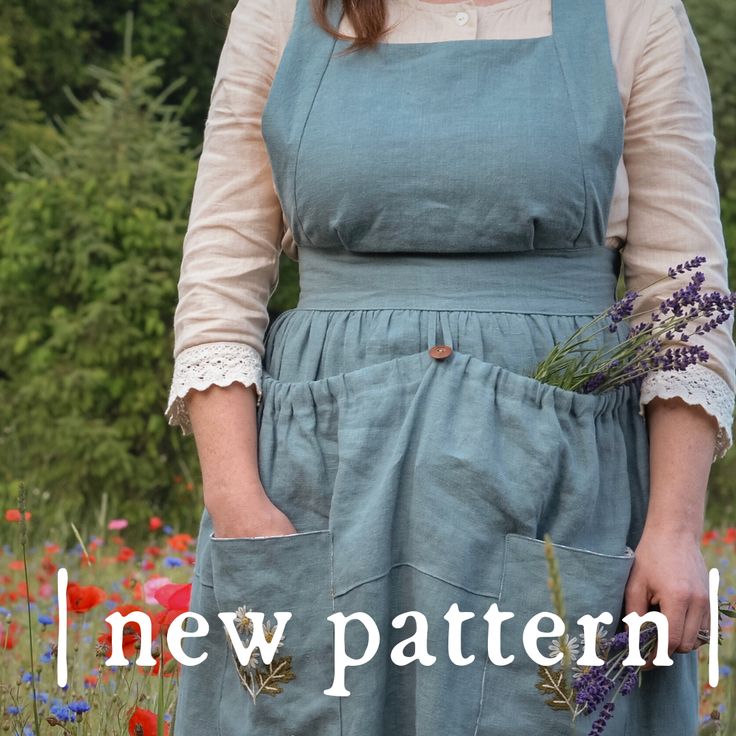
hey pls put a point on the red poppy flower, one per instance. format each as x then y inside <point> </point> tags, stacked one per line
<point>174,596</point>
<point>48,565</point>
<point>155,523</point>
<point>165,618</point>
<point>14,515</point>
<point>21,592</point>
<point>126,554</point>
<point>131,631</point>
<point>709,536</point>
<point>180,542</point>
<point>143,723</point>
<point>81,598</point>
<point>9,635</point>
<point>730,536</point>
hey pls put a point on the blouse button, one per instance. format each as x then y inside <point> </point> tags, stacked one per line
<point>461,18</point>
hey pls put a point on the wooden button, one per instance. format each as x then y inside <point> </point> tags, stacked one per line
<point>440,352</point>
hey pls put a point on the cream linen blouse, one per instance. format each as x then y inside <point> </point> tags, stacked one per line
<point>665,209</point>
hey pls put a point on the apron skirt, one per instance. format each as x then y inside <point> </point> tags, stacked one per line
<point>419,480</point>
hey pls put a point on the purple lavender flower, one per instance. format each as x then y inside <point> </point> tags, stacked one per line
<point>600,723</point>
<point>631,678</point>
<point>591,688</point>
<point>678,359</point>
<point>621,309</point>
<point>684,297</point>
<point>680,268</point>
<point>594,383</point>
<point>619,641</point>
<point>686,312</point>
<point>593,685</point>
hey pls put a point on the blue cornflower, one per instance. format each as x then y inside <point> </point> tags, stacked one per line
<point>79,706</point>
<point>62,713</point>
<point>45,620</point>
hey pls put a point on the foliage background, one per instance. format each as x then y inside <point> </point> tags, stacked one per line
<point>99,139</point>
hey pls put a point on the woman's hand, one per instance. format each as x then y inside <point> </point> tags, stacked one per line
<point>249,513</point>
<point>669,573</point>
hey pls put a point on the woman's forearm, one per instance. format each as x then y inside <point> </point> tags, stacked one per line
<point>669,570</point>
<point>225,431</point>
<point>224,427</point>
<point>682,442</point>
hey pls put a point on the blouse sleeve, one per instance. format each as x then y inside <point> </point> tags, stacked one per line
<point>231,249</point>
<point>674,204</point>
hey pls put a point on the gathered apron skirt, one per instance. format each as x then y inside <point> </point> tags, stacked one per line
<point>418,479</point>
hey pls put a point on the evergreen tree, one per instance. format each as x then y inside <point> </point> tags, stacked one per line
<point>90,246</point>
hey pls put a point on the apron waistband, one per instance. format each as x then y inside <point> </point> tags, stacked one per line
<point>574,281</point>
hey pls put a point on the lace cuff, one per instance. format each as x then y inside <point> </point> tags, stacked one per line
<point>208,364</point>
<point>696,385</point>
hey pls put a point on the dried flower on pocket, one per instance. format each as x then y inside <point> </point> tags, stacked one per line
<point>257,677</point>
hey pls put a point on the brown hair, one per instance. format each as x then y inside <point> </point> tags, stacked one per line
<point>367,18</point>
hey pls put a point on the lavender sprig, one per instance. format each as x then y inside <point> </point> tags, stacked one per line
<point>575,366</point>
<point>597,687</point>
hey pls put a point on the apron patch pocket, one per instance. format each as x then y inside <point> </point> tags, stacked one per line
<point>592,583</point>
<point>290,573</point>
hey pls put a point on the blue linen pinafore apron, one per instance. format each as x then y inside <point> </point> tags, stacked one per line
<point>450,202</point>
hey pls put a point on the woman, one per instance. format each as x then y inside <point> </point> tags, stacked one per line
<point>460,192</point>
